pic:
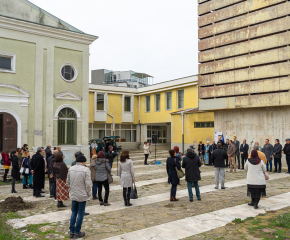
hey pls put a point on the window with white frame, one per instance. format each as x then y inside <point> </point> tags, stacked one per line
<point>148,103</point>
<point>168,101</point>
<point>157,102</point>
<point>127,104</point>
<point>68,72</point>
<point>100,102</point>
<point>180,98</point>
<point>127,132</point>
<point>7,62</point>
<point>161,132</point>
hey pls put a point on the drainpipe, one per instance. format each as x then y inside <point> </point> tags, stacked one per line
<point>182,114</point>
<point>140,116</point>
<point>113,124</point>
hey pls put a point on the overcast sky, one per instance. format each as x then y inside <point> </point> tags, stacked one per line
<point>157,37</point>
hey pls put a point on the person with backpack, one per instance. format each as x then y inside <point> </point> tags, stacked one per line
<point>6,163</point>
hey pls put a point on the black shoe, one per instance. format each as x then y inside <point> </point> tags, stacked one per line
<point>279,172</point>
<point>6,181</point>
<point>24,187</point>
<point>40,191</point>
<point>125,203</point>
<point>60,204</point>
<point>275,171</point>
<point>31,187</point>
<point>39,195</point>
<point>191,200</point>
<point>86,214</point>
<point>199,199</point>
<point>287,173</point>
<point>13,191</point>
<point>223,187</point>
<point>71,235</point>
<point>95,198</point>
<point>129,204</point>
<point>256,206</point>
<point>216,188</point>
<point>251,204</point>
<point>79,235</point>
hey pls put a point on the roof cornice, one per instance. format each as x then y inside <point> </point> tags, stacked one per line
<point>47,31</point>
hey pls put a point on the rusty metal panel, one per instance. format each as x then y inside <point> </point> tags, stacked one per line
<point>268,71</point>
<point>215,4</point>
<point>245,20</point>
<point>269,56</point>
<point>260,86</point>
<point>243,34</point>
<point>235,10</point>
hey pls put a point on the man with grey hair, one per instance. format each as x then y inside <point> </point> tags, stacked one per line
<point>261,155</point>
<point>191,163</point>
<point>37,169</point>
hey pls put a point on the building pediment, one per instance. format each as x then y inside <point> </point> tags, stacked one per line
<point>68,96</point>
<point>13,93</point>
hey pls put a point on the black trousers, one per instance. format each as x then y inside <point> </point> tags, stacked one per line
<point>239,163</point>
<point>126,194</point>
<point>36,192</point>
<point>244,159</point>
<point>5,174</point>
<point>227,161</point>
<point>51,186</point>
<point>146,157</point>
<point>13,183</point>
<point>255,200</point>
<point>107,190</point>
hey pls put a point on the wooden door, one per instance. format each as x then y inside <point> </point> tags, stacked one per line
<point>9,133</point>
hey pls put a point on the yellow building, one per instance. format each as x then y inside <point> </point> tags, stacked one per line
<point>135,114</point>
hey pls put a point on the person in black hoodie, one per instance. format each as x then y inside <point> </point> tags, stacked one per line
<point>218,157</point>
<point>191,163</point>
<point>111,155</point>
<point>15,169</point>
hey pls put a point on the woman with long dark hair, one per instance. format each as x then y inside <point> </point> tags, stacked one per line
<point>15,169</point>
<point>255,178</point>
<point>60,171</point>
<point>127,176</point>
<point>171,163</point>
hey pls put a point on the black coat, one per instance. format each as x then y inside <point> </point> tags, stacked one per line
<point>48,161</point>
<point>191,163</point>
<point>218,157</point>
<point>38,166</point>
<point>47,153</point>
<point>212,148</point>
<point>15,167</point>
<point>277,149</point>
<point>171,163</point>
<point>111,156</point>
<point>244,150</point>
<point>286,149</point>
<point>201,149</point>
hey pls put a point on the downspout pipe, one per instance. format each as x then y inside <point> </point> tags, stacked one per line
<point>113,123</point>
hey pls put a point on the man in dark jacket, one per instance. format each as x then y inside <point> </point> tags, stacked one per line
<point>226,146</point>
<point>219,156</point>
<point>268,151</point>
<point>111,155</point>
<point>277,153</point>
<point>191,163</point>
<point>38,171</point>
<point>244,152</point>
<point>286,151</point>
<point>50,174</point>
<point>211,149</point>
<point>237,144</point>
<point>48,152</point>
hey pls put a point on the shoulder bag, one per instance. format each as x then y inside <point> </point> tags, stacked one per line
<point>110,178</point>
<point>134,194</point>
<point>22,169</point>
<point>180,173</point>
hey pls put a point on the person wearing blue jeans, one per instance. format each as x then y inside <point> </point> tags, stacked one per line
<point>95,190</point>
<point>80,191</point>
<point>192,163</point>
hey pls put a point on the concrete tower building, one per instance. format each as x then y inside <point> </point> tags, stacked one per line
<point>244,66</point>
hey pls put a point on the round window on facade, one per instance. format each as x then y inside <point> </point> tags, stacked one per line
<point>68,72</point>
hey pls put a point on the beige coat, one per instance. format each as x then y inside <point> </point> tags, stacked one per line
<point>79,183</point>
<point>232,150</point>
<point>126,172</point>
<point>146,149</point>
<point>255,173</point>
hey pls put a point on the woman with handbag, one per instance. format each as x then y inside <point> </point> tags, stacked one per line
<point>103,170</point>
<point>256,179</point>
<point>172,165</point>
<point>127,176</point>
<point>146,148</point>
<point>25,164</point>
<point>15,169</point>
<point>60,171</point>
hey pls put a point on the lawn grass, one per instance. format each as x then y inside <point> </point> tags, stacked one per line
<point>7,232</point>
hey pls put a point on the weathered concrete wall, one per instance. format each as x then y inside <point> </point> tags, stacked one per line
<point>214,4</point>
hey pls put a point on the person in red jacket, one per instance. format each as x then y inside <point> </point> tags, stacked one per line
<point>7,163</point>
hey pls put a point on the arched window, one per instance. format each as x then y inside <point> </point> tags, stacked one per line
<point>67,127</point>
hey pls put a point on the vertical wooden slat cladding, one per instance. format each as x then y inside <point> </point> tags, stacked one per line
<point>246,33</point>
<point>215,4</point>
<point>246,20</point>
<point>267,71</point>
<point>259,86</point>
<point>255,45</point>
<point>259,58</point>
<point>235,10</point>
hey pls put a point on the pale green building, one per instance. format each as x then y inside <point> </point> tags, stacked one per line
<point>44,80</point>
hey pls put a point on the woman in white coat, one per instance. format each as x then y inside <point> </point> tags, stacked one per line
<point>255,178</point>
<point>126,172</point>
<point>146,151</point>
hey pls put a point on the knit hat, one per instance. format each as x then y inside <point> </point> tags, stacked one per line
<point>78,153</point>
<point>81,158</point>
<point>189,150</point>
<point>101,154</point>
